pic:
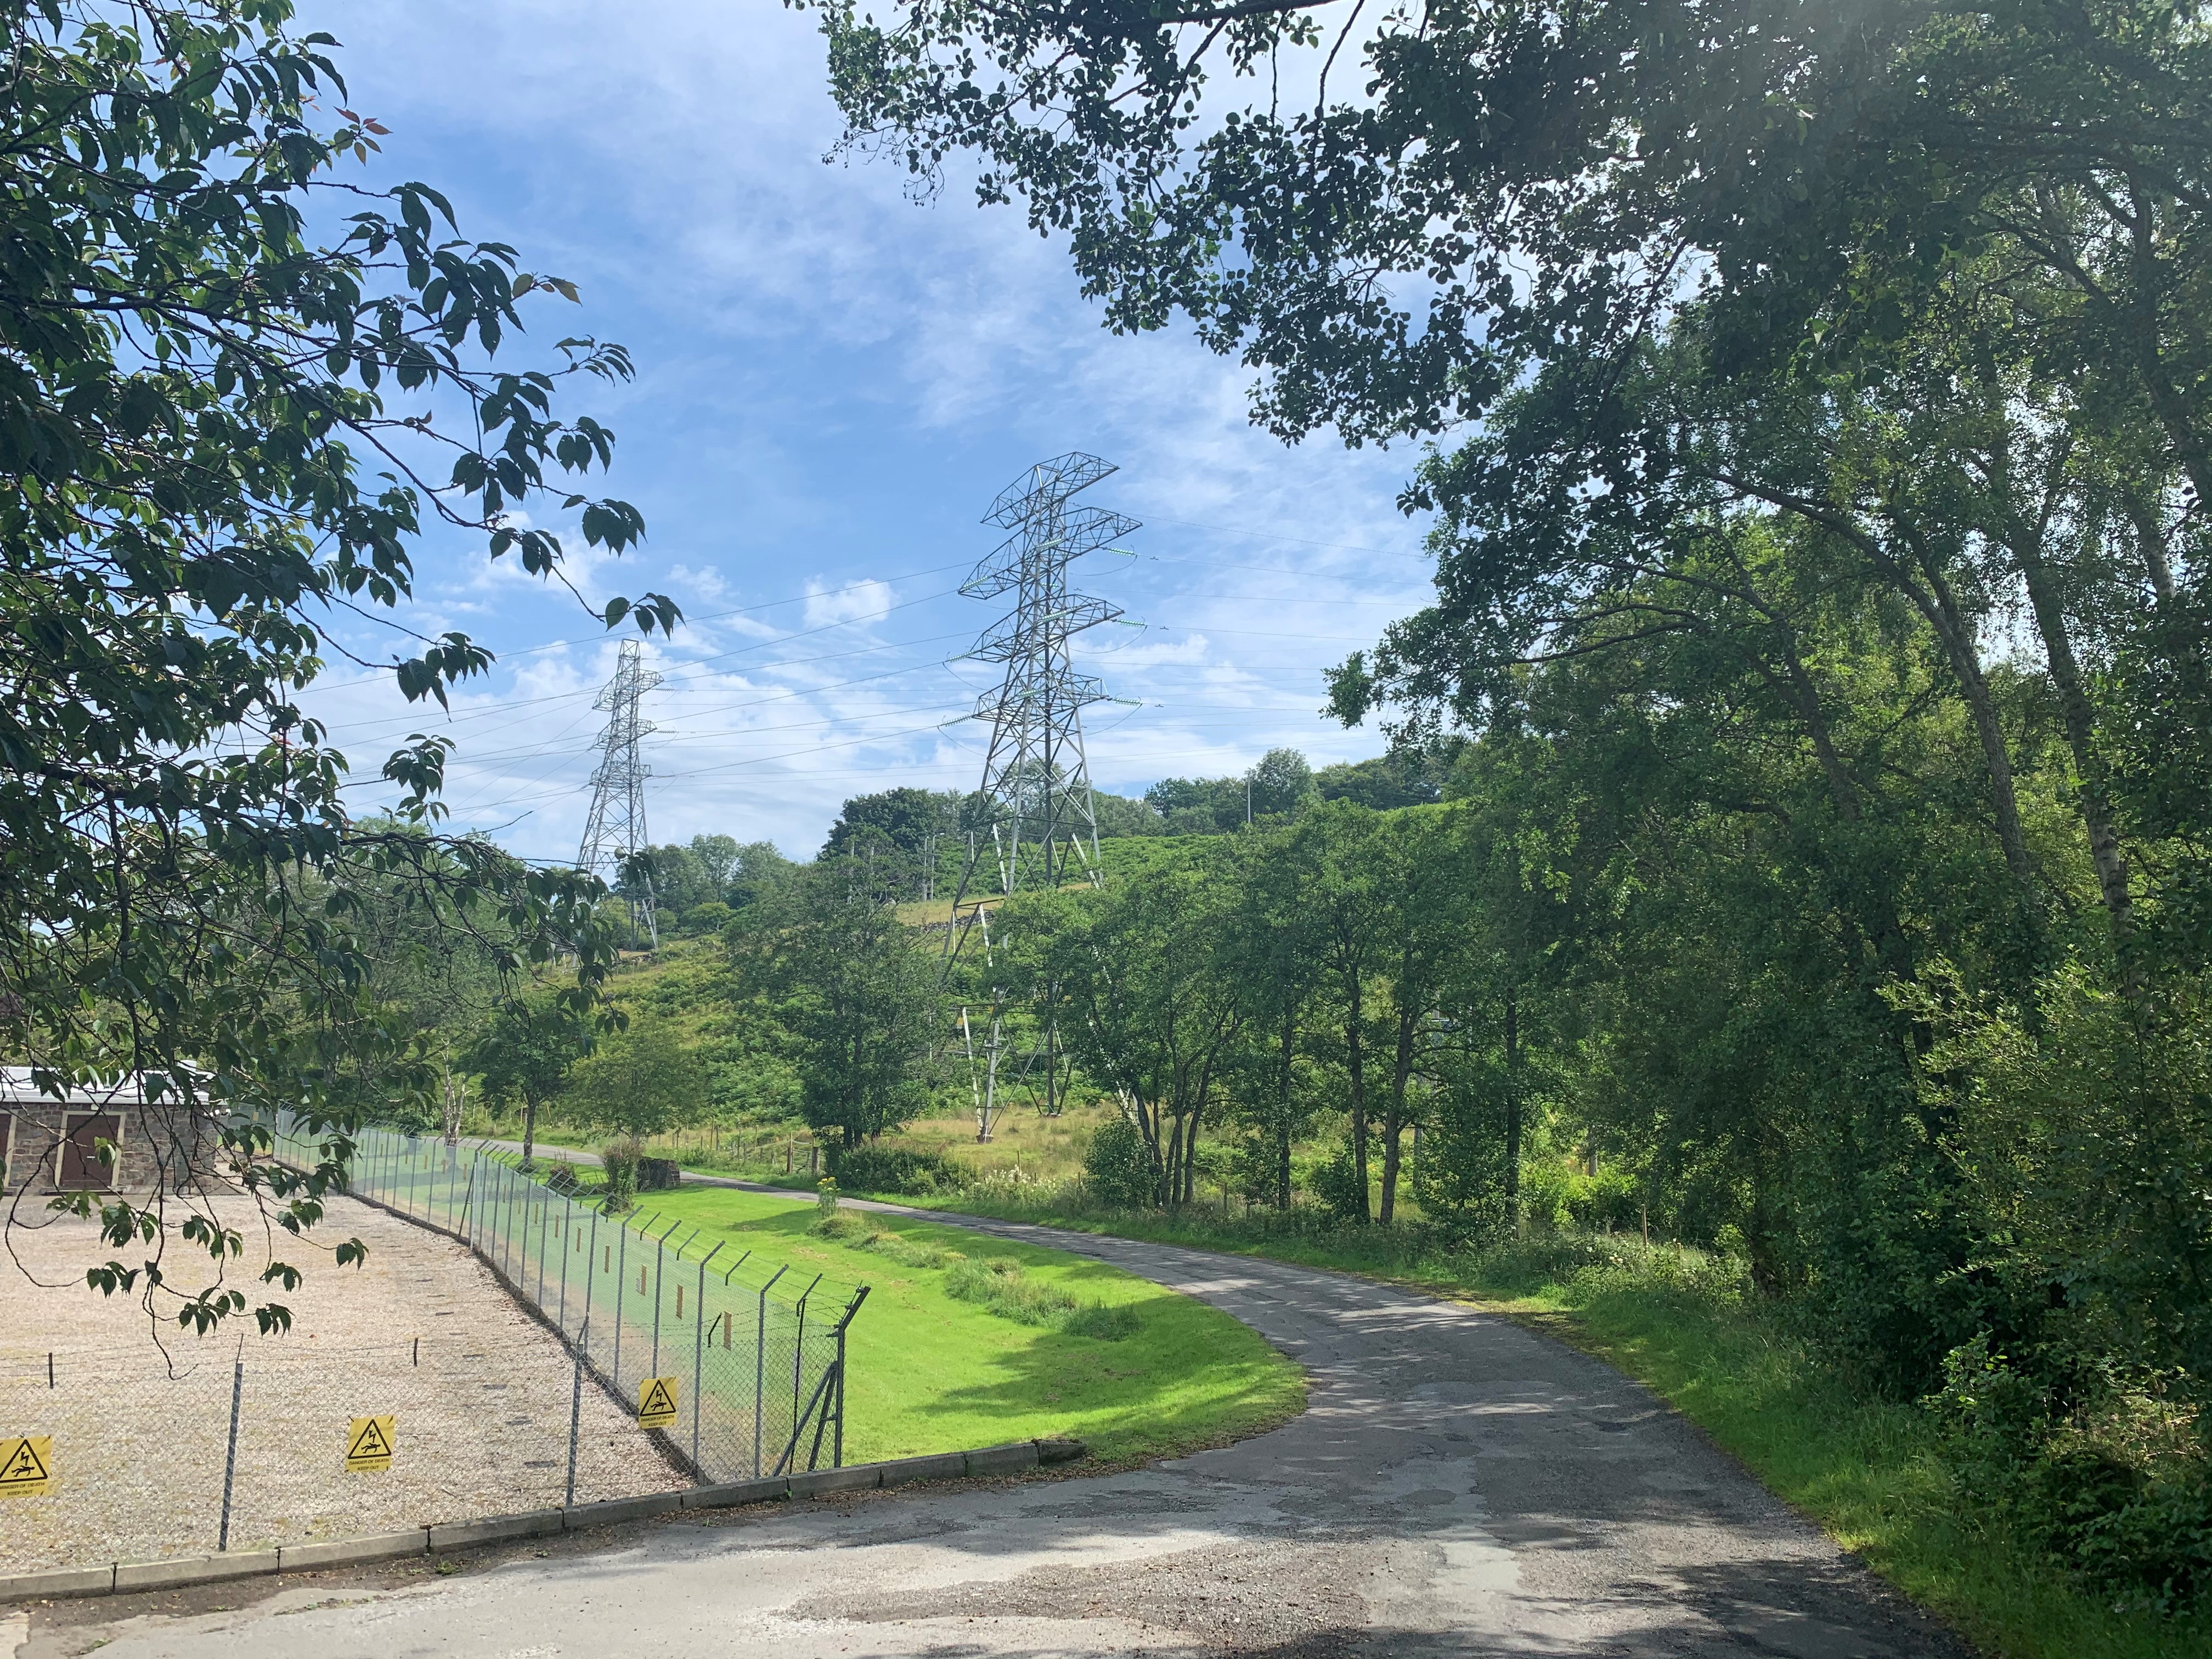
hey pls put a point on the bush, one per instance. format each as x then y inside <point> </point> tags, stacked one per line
<point>1604,1201</point>
<point>999,1286</point>
<point>707,920</point>
<point>869,1167</point>
<point>2138,1529</point>
<point>1337,1185</point>
<point>844,1227</point>
<point>618,1161</point>
<point>1117,1168</point>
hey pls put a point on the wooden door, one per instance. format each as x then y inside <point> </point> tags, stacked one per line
<point>81,1168</point>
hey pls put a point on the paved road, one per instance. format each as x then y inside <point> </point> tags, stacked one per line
<point>1458,1486</point>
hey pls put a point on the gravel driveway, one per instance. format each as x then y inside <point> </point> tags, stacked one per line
<point>1458,1485</point>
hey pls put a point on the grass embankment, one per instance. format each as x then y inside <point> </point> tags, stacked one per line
<point>932,1371</point>
<point>1867,1469</point>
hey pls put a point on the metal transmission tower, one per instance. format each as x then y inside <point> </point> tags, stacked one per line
<point>1036,781</point>
<point>1035,776</point>
<point>615,827</point>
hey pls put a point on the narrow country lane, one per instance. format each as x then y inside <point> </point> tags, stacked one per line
<point>1458,1485</point>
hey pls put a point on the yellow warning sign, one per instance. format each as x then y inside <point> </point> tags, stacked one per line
<point>368,1442</point>
<point>26,1464</point>
<point>656,1402</point>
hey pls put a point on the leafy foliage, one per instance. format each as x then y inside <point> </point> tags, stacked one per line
<point>202,463</point>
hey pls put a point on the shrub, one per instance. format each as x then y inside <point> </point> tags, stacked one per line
<point>999,1286</point>
<point>1603,1201</point>
<point>1117,1167</point>
<point>1337,1185</point>
<point>843,1226</point>
<point>2139,1529</point>
<point>707,920</point>
<point>619,1160</point>
<point>870,1168</point>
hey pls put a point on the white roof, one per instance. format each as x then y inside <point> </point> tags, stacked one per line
<point>16,1087</point>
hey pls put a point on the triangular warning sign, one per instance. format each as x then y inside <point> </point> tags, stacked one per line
<point>656,1402</point>
<point>368,1444</point>
<point>23,1466</point>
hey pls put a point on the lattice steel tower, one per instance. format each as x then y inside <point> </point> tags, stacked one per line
<point>1036,781</point>
<point>1035,776</point>
<point>615,827</point>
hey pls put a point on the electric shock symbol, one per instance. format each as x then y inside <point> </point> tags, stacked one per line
<point>27,1466</point>
<point>368,1444</point>
<point>656,1402</point>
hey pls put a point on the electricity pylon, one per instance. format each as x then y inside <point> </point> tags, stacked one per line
<point>614,829</point>
<point>1036,781</point>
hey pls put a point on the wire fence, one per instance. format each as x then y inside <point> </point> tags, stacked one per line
<point>253,1447</point>
<point>633,1357</point>
<point>743,1360</point>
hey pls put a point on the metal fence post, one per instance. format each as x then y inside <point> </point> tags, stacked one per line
<point>468,1199</point>
<point>698,1366</point>
<point>659,1272</point>
<point>621,1291</point>
<point>576,1410</point>
<point>799,1360</point>
<point>230,1457</point>
<point>567,1250</point>
<point>591,1255</point>
<point>760,1366</point>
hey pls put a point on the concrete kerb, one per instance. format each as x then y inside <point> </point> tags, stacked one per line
<point>439,1538</point>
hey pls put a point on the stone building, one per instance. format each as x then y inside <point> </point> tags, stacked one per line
<point>51,1142</point>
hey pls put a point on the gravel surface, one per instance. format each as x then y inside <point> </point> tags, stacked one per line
<point>1458,1486</point>
<point>140,1415</point>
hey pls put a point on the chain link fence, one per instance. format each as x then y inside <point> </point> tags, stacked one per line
<point>166,1449</point>
<point>747,1357</point>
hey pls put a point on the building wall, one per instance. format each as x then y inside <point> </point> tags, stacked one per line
<point>51,1147</point>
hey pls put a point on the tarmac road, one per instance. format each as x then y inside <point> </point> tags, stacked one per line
<point>1458,1485</point>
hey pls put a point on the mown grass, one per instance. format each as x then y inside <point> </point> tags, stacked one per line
<point>932,1372</point>
<point>1867,1469</point>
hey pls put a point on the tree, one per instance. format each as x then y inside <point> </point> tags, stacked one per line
<point>1119,815</point>
<point>201,463</point>
<point>1424,882</point>
<point>903,818</point>
<point>1383,784</point>
<point>1272,950</point>
<point>682,877</point>
<point>1273,787</point>
<point>642,1081</point>
<point>1277,784</point>
<point>438,975</point>
<point>758,871</point>
<point>1616,161</point>
<point>856,989</point>
<point>525,1054</point>
<point>1151,998</point>
<point>1330,854</point>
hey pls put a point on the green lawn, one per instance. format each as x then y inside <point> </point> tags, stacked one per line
<point>928,1373</point>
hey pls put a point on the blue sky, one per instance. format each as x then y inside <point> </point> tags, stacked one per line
<point>834,381</point>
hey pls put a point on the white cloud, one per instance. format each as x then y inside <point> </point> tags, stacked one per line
<point>833,381</point>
